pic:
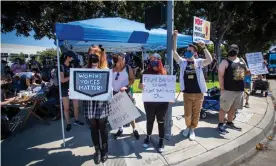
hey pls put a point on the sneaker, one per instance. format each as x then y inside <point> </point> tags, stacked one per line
<point>68,127</point>
<point>231,125</point>
<point>136,134</point>
<point>192,135</point>
<point>127,125</point>
<point>118,134</point>
<point>246,105</point>
<point>186,132</point>
<point>146,142</point>
<point>221,128</point>
<point>161,145</point>
<point>77,122</point>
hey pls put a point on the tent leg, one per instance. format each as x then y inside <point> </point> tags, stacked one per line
<point>60,97</point>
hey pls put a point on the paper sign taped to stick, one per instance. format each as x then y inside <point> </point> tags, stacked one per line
<point>159,88</point>
<point>90,84</point>
<point>123,110</point>
<point>201,30</point>
<point>256,63</point>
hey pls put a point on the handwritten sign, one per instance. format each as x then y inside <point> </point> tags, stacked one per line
<point>159,88</point>
<point>123,110</point>
<point>90,84</point>
<point>256,63</point>
<point>201,30</point>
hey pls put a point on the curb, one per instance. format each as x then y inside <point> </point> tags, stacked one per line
<point>235,150</point>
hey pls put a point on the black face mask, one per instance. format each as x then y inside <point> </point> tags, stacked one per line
<point>232,53</point>
<point>115,59</point>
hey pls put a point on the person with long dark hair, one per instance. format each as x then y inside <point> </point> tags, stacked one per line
<point>64,79</point>
<point>155,109</point>
<point>96,112</point>
<point>123,78</point>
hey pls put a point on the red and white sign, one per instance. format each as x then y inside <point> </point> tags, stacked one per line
<point>201,30</point>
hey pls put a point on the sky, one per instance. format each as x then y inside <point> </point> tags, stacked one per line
<point>11,38</point>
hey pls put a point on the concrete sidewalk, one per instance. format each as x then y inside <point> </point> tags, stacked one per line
<point>41,145</point>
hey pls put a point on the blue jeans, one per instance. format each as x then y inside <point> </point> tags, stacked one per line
<point>50,105</point>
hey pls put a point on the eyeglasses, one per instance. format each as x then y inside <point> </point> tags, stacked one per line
<point>117,76</point>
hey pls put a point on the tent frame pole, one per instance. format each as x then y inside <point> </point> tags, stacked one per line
<point>60,96</point>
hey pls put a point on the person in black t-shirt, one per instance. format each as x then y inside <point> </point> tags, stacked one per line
<point>155,109</point>
<point>64,79</point>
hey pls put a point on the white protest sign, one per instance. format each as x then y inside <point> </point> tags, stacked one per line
<point>201,30</point>
<point>90,84</point>
<point>159,88</point>
<point>256,63</point>
<point>123,111</point>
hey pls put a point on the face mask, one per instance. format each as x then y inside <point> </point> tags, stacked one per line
<point>232,53</point>
<point>154,63</point>
<point>188,54</point>
<point>115,59</point>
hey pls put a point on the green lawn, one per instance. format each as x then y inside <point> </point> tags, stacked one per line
<point>137,90</point>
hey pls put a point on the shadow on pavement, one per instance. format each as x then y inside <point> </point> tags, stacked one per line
<point>208,132</point>
<point>42,145</point>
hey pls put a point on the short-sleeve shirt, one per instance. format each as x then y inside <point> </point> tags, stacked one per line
<point>66,70</point>
<point>27,75</point>
<point>190,79</point>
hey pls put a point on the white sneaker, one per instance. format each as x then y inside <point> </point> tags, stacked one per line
<point>186,132</point>
<point>192,135</point>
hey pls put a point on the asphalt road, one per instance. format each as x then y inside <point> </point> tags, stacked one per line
<point>265,157</point>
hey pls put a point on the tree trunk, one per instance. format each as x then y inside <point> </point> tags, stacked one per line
<point>217,50</point>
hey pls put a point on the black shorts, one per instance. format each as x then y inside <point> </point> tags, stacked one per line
<point>64,92</point>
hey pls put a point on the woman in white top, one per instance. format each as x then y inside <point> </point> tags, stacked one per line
<point>123,78</point>
<point>192,83</point>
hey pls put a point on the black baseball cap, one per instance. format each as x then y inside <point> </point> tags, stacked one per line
<point>234,47</point>
<point>194,46</point>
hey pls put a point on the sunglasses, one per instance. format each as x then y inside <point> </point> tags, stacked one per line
<point>117,76</point>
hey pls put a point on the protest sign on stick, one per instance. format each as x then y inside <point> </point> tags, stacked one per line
<point>201,30</point>
<point>90,84</point>
<point>159,88</point>
<point>123,110</point>
<point>256,63</point>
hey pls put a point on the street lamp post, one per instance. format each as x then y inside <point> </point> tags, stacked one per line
<point>170,25</point>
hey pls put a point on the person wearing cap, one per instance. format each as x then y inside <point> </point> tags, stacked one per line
<point>97,112</point>
<point>155,109</point>
<point>64,79</point>
<point>231,79</point>
<point>123,79</point>
<point>192,83</point>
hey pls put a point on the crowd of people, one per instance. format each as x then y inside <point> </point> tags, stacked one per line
<point>231,74</point>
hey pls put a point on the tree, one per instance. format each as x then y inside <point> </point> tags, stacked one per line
<point>46,53</point>
<point>42,16</point>
<point>256,31</point>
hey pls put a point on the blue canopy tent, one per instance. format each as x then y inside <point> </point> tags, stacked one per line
<point>115,34</point>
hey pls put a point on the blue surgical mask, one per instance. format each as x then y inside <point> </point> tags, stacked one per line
<point>188,54</point>
<point>154,63</point>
